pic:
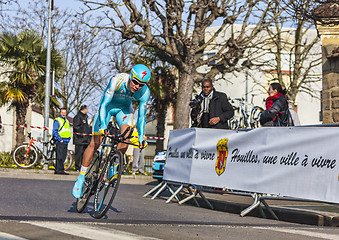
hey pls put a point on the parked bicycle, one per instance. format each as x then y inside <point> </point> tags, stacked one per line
<point>28,154</point>
<point>100,180</point>
<point>241,117</point>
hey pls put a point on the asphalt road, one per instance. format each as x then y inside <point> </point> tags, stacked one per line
<point>45,209</point>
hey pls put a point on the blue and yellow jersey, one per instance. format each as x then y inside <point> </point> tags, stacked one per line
<point>117,101</point>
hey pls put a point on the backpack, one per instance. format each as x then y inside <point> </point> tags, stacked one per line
<point>284,119</point>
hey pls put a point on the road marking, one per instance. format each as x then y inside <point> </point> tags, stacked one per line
<point>87,231</point>
<point>7,236</point>
<point>302,232</point>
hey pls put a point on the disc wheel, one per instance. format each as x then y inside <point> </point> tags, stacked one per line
<point>25,156</point>
<point>108,184</point>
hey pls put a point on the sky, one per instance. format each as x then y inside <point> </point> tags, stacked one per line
<point>73,4</point>
<point>63,4</point>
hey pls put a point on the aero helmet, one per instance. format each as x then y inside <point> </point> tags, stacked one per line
<point>141,73</point>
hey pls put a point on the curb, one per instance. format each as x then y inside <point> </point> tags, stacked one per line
<point>283,214</point>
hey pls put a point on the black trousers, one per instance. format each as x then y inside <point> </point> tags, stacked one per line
<point>79,153</point>
<point>61,153</point>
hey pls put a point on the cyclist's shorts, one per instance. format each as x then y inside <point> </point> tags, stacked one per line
<point>122,115</point>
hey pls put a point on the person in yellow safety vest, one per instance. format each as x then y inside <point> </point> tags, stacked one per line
<point>62,136</point>
<point>138,155</point>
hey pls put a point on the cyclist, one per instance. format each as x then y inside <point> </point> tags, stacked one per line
<point>117,101</point>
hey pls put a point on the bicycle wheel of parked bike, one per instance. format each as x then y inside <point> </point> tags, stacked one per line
<point>68,164</point>
<point>89,185</point>
<point>255,116</point>
<point>233,123</point>
<point>25,156</point>
<point>68,161</point>
<point>108,184</point>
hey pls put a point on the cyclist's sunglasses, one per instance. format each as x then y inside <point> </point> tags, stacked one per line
<point>136,82</point>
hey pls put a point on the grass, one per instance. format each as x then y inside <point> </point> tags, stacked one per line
<point>6,160</point>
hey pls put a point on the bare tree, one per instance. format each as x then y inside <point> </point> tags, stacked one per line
<point>84,72</point>
<point>80,46</point>
<point>295,52</point>
<point>118,52</point>
<point>323,11</point>
<point>179,32</point>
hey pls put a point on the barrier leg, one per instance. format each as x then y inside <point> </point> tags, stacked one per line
<point>253,206</point>
<point>269,209</point>
<point>175,194</point>
<point>189,198</point>
<point>262,213</point>
<point>206,201</point>
<point>192,196</point>
<point>153,189</point>
<point>169,187</point>
<point>160,191</point>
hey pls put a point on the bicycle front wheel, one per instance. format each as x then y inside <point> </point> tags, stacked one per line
<point>68,161</point>
<point>25,156</point>
<point>108,184</point>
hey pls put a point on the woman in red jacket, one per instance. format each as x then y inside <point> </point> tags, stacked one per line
<point>276,113</point>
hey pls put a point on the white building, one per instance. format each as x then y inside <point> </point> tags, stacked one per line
<point>234,84</point>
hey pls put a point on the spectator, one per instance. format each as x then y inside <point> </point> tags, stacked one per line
<point>62,136</point>
<point>276,113</point>
<point>211,109</point>
<point>80,125</point>
<point>138,156</point>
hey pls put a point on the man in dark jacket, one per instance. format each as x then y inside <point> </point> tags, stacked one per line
<point>80,125</point>
<point>213,108</point>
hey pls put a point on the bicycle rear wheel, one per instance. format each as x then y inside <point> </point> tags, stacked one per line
<point>89,185</point>
<point>108,185</point>
<point>25,156</point>
<point>68,161</point>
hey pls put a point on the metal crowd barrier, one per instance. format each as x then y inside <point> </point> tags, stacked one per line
<point>175,188</point>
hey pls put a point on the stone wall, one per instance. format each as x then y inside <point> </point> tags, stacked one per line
<point>330,57</point>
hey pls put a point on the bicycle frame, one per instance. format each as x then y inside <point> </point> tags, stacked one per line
<point>29,146</point>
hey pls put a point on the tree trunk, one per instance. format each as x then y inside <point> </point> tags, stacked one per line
<point>29,120</point>
<point>21,110</point>
<point>185,90</point>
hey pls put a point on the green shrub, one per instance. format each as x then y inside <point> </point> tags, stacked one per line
<point>6,159</point>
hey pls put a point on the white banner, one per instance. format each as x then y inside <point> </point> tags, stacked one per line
<point>298,162</point>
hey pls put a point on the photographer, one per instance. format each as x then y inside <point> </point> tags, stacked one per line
<point>210,109</point>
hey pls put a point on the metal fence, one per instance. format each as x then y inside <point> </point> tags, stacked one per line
<point>148,163</point>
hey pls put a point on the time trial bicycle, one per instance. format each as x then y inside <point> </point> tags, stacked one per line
<point>104,173</point>
<point>28,154</point>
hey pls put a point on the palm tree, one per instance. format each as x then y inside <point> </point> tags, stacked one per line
<point>23,57</point>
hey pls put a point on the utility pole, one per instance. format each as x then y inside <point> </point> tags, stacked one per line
<point>48,79</point>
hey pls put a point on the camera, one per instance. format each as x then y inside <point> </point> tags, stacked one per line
<point>196,101</point>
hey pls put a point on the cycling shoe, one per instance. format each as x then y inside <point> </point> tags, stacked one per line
<point>77,189</point>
